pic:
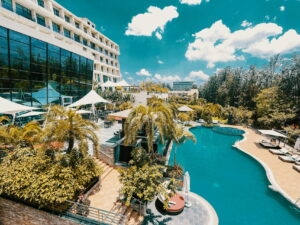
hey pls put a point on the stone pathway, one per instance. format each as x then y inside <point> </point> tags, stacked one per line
<point>107,197</point>
<point>200,213</point>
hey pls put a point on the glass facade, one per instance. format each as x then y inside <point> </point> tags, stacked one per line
<point>183,85</point>
<point>36,73</point>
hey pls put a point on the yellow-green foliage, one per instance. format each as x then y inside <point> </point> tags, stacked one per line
<point>143,183</point>
<point>44,179</point>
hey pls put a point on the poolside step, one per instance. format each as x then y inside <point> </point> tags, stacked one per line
<point>106,172</point>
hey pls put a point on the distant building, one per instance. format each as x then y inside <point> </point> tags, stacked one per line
<point>183,85</point>
<point>190,93</point>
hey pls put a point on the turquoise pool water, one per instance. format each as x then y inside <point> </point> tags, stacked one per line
<point>235,184</point>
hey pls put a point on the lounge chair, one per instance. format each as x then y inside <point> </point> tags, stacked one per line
<point>290,158</point>
<point>282,151</point>
<point>297,168</point>
<point>267,144</point>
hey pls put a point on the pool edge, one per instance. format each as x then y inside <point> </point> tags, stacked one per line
<point>274,185</point>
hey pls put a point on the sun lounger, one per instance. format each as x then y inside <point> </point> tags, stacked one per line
<point>297,168</point>
<point>290,158</point>
<point>267,144</point>
<point>279,151</point>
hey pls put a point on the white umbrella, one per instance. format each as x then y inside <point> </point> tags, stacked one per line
<point>33,113</point>
<point>186,188</point>
<point>297,144</point>
<point>9,107</point>
<point>89,99</point>
<point>82,111</point>
<point>185,108</point>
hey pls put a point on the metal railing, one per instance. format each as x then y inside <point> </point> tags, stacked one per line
<point>98,215</point>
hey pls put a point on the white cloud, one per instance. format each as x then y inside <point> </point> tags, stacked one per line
<point>197,75</point>
<point>246,23</point>
<point>152,21</point>
<point>143,72</point>
<point>219,44</point>
<point>126,73</point>
<point>166,79</point>
<point>160,62</point>
<point>282,8</point>
<point>191,2</point>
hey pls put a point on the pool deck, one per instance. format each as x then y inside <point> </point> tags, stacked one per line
<point>201,212</point>
<point>282,176</point>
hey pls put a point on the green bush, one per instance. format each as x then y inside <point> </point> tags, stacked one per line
<point>43,178</point>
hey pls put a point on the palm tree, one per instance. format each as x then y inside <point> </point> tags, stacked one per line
<point>65,125</point>
<point>28,135</point>
<point>179,136</point>
<point>148,118</point>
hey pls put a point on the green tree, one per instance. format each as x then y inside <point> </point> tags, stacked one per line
<point>65,125</point>
<point>142,183</point>
<point>148,118</point>
<point>179,136</point>
<point>272,110</point>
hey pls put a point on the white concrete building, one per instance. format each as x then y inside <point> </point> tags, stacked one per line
<point>50,22</point>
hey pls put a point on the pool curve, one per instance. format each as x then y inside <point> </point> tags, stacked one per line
<point>234,183</point>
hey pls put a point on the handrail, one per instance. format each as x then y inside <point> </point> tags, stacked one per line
<point>99,215</point>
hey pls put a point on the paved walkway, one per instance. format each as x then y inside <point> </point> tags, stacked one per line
<point>200,213</point>
<point>284,175</point>
<point>107,197</point>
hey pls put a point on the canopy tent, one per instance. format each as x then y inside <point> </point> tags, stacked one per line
<point>109,84</point>
<point>272,133</point>
<point>33,113</point>
<point>42,94</point>
<point>8,107</point>
<point>90,98</point>
<point>120,115</point>
<point>82,111</point>
<point>123,83</point>
<point>185,108</point>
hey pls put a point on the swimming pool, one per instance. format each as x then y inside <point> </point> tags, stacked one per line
<point>235,184</point>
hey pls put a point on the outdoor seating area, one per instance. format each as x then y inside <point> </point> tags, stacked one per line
<point>276,145</point>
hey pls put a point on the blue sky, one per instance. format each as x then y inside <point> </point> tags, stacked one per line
<point>169,40</point>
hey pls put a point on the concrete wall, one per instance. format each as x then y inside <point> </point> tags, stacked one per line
<point>107,155</point>
<point>13,213</point>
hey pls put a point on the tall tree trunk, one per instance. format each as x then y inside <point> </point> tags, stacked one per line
<point>175,151</point>
<point>71,142</point>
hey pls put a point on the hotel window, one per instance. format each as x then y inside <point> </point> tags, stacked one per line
<point>41,3</point>
<point>101,58</point>
<point>77,25</point>
<point>85,30</point>
<point>67,19</point>
<point>56,12</point>
<point>23,11</point>
<point>107,61</point>
<point>56,27</point>
<point>85,42</point>
<point>105,78</point>
<point>93,46</point>
<point>101,39</point>
<point>106,52</point>
<point>77,38</point>
<point>93,35</point>
<point>7,4</point>
<point>100,49</point>
<point>67,33</point>
<point>40,20</point>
